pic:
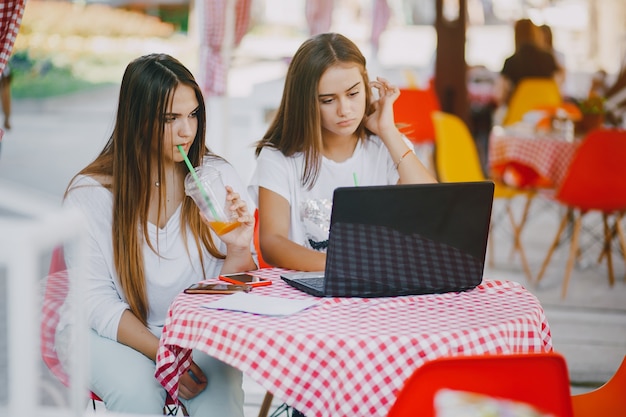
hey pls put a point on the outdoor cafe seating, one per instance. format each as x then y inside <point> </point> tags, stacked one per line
<point>56,290</point>
<point>530,94</point>
<point>608,400</point>
<point>465,384</point>
<point>594,182</point>
<point>456,159</point>
<point>412,114</point>
<point>349,355</point>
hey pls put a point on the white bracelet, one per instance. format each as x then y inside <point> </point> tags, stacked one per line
<point>402,157</point>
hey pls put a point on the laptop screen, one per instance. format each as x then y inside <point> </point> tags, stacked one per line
<point>408,239</point>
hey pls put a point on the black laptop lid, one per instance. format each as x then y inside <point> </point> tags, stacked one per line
<point>408,239</point>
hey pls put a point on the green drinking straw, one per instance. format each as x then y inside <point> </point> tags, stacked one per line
<point>356,183</point>
<point>198,183</point>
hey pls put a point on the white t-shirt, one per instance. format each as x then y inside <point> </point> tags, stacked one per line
<point>166,275</point>
<point>370,164</point>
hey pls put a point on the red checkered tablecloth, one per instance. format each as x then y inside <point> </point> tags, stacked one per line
<point>350,356</point>
<point>548,157</point>
<point>10,20</point>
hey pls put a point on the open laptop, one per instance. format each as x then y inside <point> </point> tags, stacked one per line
<point>403,239</point>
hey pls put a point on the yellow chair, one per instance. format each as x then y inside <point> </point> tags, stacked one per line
<point>457,160</point>
<point>609,400</point>
<point>531,94</point>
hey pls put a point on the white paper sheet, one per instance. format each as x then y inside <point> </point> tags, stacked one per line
<point>261,304</point>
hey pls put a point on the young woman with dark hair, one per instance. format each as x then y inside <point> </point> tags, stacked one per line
<point>147,242</point>
<point>330,130</point>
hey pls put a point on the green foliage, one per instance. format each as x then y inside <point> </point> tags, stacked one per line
<point>41,78</point>
<point>63,18</point>
<point>592,105</point>
<point>63,47</point>
<point>177,16</point>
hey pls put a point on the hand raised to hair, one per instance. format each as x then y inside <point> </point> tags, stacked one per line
<point>382,118</point>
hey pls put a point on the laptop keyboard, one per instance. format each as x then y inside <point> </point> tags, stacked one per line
<point>316,282</point>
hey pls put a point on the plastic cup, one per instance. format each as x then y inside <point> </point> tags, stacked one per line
<point>210,197</point>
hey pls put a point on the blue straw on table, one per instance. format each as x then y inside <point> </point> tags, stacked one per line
<point>194,174</point>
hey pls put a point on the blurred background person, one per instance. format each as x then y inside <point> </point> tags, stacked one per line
<point>599,84</point>
<point>613,94</point>
<point>559,56</point>
<point>5,95</point>
<point>530,59</point>
<point>11,13</point>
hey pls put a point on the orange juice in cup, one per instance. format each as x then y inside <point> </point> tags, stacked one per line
<point>222,228</point>
<point>205,186</point>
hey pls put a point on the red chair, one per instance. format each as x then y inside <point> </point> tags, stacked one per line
<point>56,290</point>
<point>594,182</point>
<point>412,113</point>
<point>537,379</point>
<point>606,401</point>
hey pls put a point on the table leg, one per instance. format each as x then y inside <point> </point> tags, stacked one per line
<point>564,222</point>
<point>620,236</point>
<point>517,231</point>
<point>266,404</point>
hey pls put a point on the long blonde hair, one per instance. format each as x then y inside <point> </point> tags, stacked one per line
<point>124,168</point>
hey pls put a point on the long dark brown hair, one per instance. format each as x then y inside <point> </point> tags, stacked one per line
<point>124,167</point>
<point>297,126</point>
<point>526,32</point>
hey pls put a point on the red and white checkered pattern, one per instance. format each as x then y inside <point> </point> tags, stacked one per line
<point>10,19</point>
<point>213,27</point>
<point>319,15</point>
<point>56,289</point>
<point>11,13</point>
<point>548,157</point>
<point>381,14</point>
<point>350,356</point>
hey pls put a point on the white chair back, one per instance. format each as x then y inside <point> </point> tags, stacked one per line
<point>30,228</point>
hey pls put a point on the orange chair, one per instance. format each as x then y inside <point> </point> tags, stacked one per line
<point>456,159</point>
<point>609,400</point>
<point>412,113</point>
<point>532,94</point>
<point>538,379</point>
<point>257,245</point>
<point>56,290</point>
<point>594,182</point>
